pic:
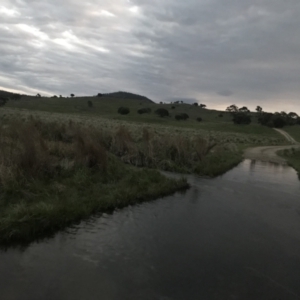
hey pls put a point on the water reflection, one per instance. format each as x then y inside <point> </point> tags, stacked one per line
<point>233,237</point>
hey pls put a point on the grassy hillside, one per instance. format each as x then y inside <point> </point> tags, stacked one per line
<point>294,131</point>
<point>107,107</point>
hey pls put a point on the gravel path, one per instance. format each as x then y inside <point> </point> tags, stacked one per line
<point>269,153</point>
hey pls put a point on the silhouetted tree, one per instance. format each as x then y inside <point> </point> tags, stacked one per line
<point>38,95</point>
<point>202,105</point>
<point>72,95</point>
<point>244,109</point>
<point>195,104</point>
<point>232,108</point>
<point>99,95</point>
<point>259,109</point>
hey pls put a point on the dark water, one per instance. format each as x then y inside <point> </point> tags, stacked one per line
<point>234,237</point>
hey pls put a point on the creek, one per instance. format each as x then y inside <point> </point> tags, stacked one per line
<point>233,237</point>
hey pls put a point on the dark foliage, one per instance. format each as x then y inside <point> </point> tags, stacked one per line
<point>241,118</point>
<point>99,95</point>
<point>123,110</point>
<point>3,100</point>
<point>144,110</point>
<point>162,112</point>
<point>202,105</point>
<point>173,107</point>
<point>90,103</point>
<point>195,104</point>
<point>182,116</point>
<point>72,95</point>
<point>199,119</point>
<point>220,115</point>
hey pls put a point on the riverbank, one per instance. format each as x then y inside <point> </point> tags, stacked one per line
<point>292,156</point>
<point>49,180</point>
<point>56,172</point>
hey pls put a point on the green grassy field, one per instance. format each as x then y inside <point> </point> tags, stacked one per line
<point>294,131</point>
<point>57,155</point>
<point>107,108</point>
<point>53,174</point>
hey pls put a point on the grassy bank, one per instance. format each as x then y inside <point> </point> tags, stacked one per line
<point>49,180</point>
<point>293,158</point>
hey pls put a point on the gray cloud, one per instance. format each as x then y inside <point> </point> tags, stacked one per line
<point>162,49</point>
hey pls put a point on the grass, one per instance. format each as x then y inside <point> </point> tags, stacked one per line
<point>107,108</point>
<point>61,160</point>
<point>294,131</point>
<point>293,158</point>
<point>52,175</point>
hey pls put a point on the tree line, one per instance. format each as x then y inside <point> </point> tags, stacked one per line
<point>278,119</point>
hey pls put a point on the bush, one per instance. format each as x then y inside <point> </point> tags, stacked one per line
<point>3,101</point>
<point>220,116</point>
<point>241,118</point>
<point>144,110</point>
<point>90,103</point>
<point>199,119</point>
<point>162,112</point>
<point>182,116</point>
<point>123,110</point>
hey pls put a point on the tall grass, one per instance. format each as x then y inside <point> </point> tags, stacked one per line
<point>53,174</point>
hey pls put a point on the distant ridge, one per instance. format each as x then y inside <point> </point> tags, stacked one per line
<point>126,95</point>
<point>6,94</point>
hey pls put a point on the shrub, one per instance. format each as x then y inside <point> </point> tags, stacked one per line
<point>241,118</point>
<point>144,110</point>
<point>220,115</point>
<point>123,110</point>
<point>182,116</point>
<point>90,103</point>
<point>199,119</point>
<point>162,112</point>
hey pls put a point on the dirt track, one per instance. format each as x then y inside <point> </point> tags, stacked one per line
<point>268,153</point>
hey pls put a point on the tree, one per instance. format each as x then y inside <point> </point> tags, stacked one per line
<point>244,109</point>
<point>202,105</point>
<point>72,95</point>
<point>232,108</point>
<point>293,115</point>
<point>259,109</point>
<point>241,118</point>
<point>99,95</point>
<point>195,104</point>
<point>90,104</point>
<point>38,95</point>
<point>182,116</point>
<point>162,112</point>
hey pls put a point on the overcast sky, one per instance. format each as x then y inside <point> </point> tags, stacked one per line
<point>245,52</point>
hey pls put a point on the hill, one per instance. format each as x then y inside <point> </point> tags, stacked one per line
<point>127,95</point>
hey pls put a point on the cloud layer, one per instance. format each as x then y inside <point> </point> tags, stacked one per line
<point>218,52</point>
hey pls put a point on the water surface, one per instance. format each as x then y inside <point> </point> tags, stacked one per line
<point>233,237</point>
